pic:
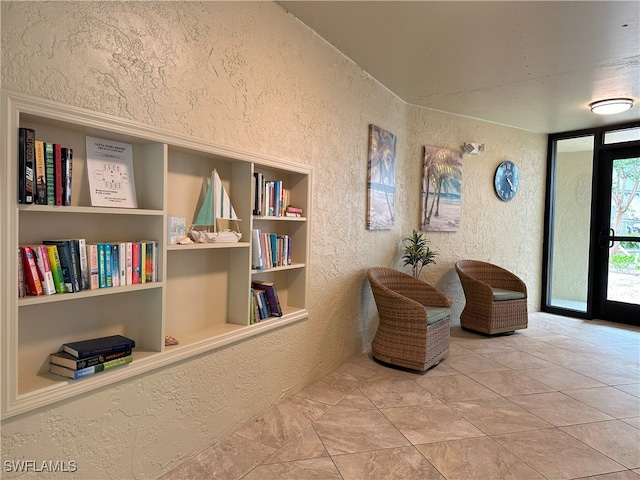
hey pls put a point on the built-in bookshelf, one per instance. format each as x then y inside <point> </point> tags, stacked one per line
<point>202,295</point>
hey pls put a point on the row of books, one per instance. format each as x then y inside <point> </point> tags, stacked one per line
<point>44,170</point>
<point>87,357</point>
<point>72,265</point>
<point>264,301</point>
<point>269,250</point>
<point>271,199</point>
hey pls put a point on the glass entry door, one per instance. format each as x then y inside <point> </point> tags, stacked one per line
<point>618,252</point>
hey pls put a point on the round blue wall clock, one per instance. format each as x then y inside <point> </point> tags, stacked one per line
<point>506,180</point>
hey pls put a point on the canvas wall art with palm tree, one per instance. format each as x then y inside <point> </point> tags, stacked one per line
<point>441,189</point>
<point>381,186</point>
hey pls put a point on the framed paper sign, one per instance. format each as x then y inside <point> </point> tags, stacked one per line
<point>110,171</point>
<point>381,186</point>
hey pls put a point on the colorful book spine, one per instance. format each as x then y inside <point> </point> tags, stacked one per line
<point>31,277</point>
<point>102,267</point>
<point>115,264</point>
<point>143,263</point>
<point>135,263</point>
<point>67,360</point>
<point>21,288</point>
<point>26,159</point>
<point>129,262</point>
<point>57,159</point>
<point>50,172</point>
<point>84,264</point>
<point>271,294</point>
<point>75,374</point>
<point>41,174</point>
<point>56,269</point>
<point>44,269</point>
<point>92,261</point>
<point>108,265</point>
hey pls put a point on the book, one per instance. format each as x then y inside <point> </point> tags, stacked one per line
<point>75,374</point>
<point>115,264</point>
<point>150,260</point>
<point>110,173</point>
<point>76,270</point>
<point>99,346</point>
<point>26,158</point>
<point>253,313</point>
<point>57,163</point>
<point>129,264</point>
<point>40,174</point>
<point>67,360</point>
<point>56,269</point>
<point>257,262</point>
<point>44,269</point>
<point>135,263</point>
<point>92,261</point>
<point>67,170</point>
<point>102,267</point>
<point>69,261</point>
<point>50,172</point>
<point>31,277</point>
<point>21,288</point>
<point>122,264</point>
<point>273,302</point>
<point>108,265</point>
<point>261,300</point>
<point>84,264</point>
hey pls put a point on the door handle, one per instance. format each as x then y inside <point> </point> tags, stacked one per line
<point>612,233</point>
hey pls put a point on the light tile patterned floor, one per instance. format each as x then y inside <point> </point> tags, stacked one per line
<point>559,400</point>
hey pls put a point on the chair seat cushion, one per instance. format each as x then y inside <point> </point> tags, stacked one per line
<point>500,294</point>
<point>435,314</point>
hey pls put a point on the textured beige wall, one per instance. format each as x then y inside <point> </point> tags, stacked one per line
<point>250,76</point>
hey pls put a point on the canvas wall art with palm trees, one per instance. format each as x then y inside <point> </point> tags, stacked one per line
<point>381,186</point>
<point>441,189</point>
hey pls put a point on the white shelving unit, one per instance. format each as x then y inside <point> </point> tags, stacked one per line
<point>202,296</point>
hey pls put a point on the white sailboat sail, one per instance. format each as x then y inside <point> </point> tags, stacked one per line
<point>216,206</point>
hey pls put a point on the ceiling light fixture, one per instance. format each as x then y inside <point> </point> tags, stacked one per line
<point>611,106</point>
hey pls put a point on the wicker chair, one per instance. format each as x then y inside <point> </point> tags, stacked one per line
<point>414,320</point>
<point>496,299</point>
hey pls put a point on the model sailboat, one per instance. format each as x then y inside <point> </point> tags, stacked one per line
<point>216,206</point>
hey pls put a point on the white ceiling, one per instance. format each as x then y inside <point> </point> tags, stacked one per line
<point>532,65</point>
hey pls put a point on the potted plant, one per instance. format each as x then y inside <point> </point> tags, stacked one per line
<point>417,252</point>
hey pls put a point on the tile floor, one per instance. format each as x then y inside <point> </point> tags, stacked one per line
<point>559,400</point>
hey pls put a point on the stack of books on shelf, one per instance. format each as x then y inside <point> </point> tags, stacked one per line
<point>265,301</point>
<point>271,199</point>
<point>72,265</point>
<point>87,357</point>
<point>291,211</point>
<point>44,171</point>
<point>269,250</point>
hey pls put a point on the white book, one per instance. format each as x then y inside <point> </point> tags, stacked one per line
<point>44,269</point>
<point>84,264</point>
<point>122,247</point>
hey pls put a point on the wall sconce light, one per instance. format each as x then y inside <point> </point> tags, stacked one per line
<point>473,148</point>
<point>611,106</point>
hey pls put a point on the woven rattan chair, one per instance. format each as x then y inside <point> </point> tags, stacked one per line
<point>414,320</point>
<point>496,299</point>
